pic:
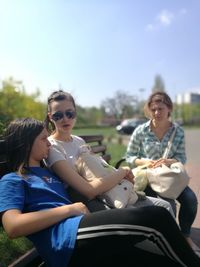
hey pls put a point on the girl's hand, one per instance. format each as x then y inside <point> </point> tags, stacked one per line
<point>129,174</point>
<point>78,208</point>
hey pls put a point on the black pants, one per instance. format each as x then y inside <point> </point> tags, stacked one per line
<point>119,237</point>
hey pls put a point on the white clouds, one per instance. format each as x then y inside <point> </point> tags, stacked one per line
<point>164,19</point>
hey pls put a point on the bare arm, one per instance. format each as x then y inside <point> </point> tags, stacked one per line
<point>27,223</point>
<point>89,189</point>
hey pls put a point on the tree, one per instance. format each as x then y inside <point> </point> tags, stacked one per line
<point>120,106</point>
<point>158,84</point>
<point>88,116</point>
<point>15,103</point>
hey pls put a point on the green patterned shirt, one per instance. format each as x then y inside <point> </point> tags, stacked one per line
<point>144,144</point>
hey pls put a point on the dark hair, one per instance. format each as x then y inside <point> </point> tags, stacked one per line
<point>3,165</point>
<point>57,96</point>
<point>19,138</point>
<point>158,97</point>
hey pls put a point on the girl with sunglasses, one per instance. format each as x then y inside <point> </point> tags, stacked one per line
<point>66,233</point>
<point>65,149</point>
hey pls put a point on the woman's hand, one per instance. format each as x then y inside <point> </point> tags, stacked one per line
<point>147,162</point>
<point>161,161</point>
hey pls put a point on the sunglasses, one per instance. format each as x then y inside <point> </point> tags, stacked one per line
<point>59,115</point>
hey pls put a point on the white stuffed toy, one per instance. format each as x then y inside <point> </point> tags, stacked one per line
<point>91,166</point>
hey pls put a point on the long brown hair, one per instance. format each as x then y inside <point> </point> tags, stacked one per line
<point>18,141</point>
<point>158,97</point>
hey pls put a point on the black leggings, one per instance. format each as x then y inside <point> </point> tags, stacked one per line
<point>120,237</point>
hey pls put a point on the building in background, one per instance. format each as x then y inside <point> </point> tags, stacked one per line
<point>187,98</point>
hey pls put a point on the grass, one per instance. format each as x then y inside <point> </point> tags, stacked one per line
<point>12,249</point>
<point>108,132</point>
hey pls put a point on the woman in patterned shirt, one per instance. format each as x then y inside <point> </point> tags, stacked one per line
<point>147,145</point>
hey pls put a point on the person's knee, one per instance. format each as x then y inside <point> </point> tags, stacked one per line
<point>188,203</point>
<point>154,212</point>
<point>188,198</point>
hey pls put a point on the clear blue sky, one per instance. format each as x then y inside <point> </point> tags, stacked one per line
<point>92,48</point>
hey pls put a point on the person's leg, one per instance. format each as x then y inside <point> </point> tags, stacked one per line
<point>152,201</point>
<point>108,235</point>
<point>188,210</point>
<point>94,256</point>
<point>149,192</point>
<point>187,213</point>
<point>172,203</point>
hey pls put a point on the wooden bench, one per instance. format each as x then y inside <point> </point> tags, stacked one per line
<point>31,258</point>
<point>97,145</point>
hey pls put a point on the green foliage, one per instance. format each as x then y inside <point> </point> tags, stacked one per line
<point>188,113</point>
<point>88,116</point>
<point>12,249</point>
<point>15,103</point>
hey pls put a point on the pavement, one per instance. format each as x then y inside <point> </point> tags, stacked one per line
<point>192,138</point>
<point>194,172</point>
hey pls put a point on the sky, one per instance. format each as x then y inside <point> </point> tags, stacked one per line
<point>94,48</point>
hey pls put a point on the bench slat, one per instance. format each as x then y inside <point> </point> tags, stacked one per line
<point>98,149</point>
<point>92,138</point>
<point>30,258</point>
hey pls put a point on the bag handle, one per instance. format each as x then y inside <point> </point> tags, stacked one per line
<point>169,144</point>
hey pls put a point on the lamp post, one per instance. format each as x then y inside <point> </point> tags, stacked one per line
<point>141,90</point>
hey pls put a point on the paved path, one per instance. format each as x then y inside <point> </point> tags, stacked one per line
<point>193,165</point>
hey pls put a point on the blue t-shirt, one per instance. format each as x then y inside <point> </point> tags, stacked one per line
<point>38,191</point>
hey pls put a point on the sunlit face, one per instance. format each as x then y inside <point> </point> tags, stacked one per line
<point>63,115</point>
<point>39,149</point>
<point>159,111</point>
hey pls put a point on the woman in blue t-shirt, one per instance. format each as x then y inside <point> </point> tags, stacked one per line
<point>34,203</point>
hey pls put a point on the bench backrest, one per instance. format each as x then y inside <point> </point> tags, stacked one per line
<point>97,145</point>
